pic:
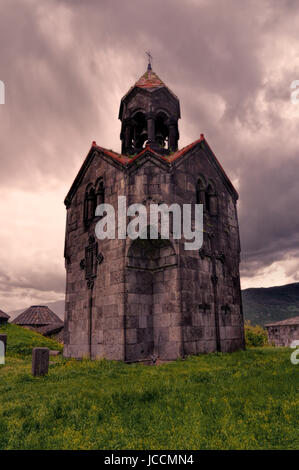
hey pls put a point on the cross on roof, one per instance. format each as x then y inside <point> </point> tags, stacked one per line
<point>150,58</point>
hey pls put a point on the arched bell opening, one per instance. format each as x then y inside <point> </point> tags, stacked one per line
<point>134,134</point>
<point>161,131</point>
<point>140,134</point>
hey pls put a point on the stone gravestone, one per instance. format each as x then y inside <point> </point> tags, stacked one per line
<point>3,338</point>
<point>40,361</point>
<point>3,342</point>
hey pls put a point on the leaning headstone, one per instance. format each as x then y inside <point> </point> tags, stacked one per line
<point>40,361</point>
<point>3,338</point>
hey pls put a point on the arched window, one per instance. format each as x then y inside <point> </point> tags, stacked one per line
<point>200,191</point>
<point>89,204</point>
<point>211,199</point>
<point>100,192</point>
<point>206,195</point>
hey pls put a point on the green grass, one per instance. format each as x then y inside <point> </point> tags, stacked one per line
<point>21,341</point>
<point>243,400</point>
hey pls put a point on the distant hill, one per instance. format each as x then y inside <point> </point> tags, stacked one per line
<point>264,305</point>
<point>57,307</point>
<point>260,304</point>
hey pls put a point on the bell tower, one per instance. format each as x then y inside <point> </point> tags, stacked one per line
<point>136,299</point>
<point>149,114</point>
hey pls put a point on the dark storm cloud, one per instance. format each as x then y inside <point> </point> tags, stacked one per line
<point>66,65</point>
<point>41,280</point>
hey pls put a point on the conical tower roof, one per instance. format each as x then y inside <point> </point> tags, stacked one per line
<point>37,315</point>
<point>149,81</point>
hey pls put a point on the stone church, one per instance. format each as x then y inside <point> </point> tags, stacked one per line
<point>139,300</point>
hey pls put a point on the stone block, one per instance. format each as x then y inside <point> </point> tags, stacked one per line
<point>144,335</point>
<point>113,351</point>
<point>175,333</point>
<point>210,346</point>
<point>40,361</point>
<point>169,351</point>
<point>143,321</point>
<point>192,333</point>
<point>137,352</point>
<point>132,321</point>
<point>54,353</point>
<point>131,336</point>
<point>162,320</point>
<point>161,335</point>
<point>115,336</point>
<point>176,319</point>
<point>201,347</point>
<point>109,310</point>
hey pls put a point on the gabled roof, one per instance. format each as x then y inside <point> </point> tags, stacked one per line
<point>125,161</point>
<point>37,315</point>
<point>288,321</point>
<point>4,315</point>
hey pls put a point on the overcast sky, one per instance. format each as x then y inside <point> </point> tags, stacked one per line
<point>66,65</point>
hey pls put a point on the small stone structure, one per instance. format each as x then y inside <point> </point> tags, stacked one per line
<point>43,320</point>
<point>282,333</point>
<point>3,317</point>
<point>40,361</point>
<point>53,331</point>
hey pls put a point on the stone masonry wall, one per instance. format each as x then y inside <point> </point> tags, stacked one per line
<point>283,335</point>
<point>152,299</point>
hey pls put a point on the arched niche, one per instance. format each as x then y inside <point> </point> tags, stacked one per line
<point>151,298</point>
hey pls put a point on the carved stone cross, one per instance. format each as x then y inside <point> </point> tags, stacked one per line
<point>90,262</point>
<point>204,307</point>
<point>225,308</point>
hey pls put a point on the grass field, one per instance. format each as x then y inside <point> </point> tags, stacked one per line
<point>244,400</point>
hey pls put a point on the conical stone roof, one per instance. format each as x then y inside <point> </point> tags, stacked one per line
<point>37,315</point>
<point>149,81</point>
